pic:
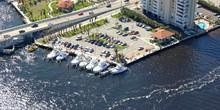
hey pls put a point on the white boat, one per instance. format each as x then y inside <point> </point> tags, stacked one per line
<point>118,69</point>
<point>62,56</point>
<point>76,60</point>
<point>85,61</point>
<point>92,63</point>
<point>104,73</point>
<point>101,66</point>
<point>54,53</point>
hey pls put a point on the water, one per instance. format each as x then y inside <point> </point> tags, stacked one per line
<point>202,25</point>
<point>185,77</point>
<point>8,16</point>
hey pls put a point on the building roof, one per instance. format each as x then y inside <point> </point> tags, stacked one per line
<point>162,33</point>
<point>64,4</point>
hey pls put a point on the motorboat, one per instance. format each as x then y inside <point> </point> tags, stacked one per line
<point>92,63</point>
<point>33,48</point>
<point>101,66</point>
<point>85,61</point>
<point>54,53</point>
<point>62,56</point>
<point>76,60</point>
<point>104,73</point>
<point>118,69</point>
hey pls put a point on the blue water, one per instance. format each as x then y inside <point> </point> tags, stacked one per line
<point>184,77</point>
<point>202,25</point>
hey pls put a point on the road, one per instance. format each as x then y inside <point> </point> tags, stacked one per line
<point>43,25</point>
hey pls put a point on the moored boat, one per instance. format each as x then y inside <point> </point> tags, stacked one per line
<point>103,64</point>
<point>62,56</point>
<point>76,60</point>
<point>118,69</point>
<point>85,61</point>
<point>54,53</point>
<point>92,63</point>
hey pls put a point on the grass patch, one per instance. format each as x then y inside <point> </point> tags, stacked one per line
<point>119,15</point>
<point>38,9</point>
<point>77,6</point>
<point>152,30</point>
<point>84,28</point>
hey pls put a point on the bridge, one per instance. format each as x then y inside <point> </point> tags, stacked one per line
<point>57,22</point>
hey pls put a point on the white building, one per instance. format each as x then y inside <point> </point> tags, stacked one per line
<point>179,13</point>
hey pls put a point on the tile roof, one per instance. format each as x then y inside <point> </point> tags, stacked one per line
<point>162,33</point>
<point>64,4</point>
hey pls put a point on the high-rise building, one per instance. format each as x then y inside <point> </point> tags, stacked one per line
<point>179,13</point>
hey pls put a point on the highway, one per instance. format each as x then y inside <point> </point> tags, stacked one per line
<point>71,18</point>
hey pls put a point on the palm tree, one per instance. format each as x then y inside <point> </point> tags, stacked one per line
<point>136,3</point>
<point>116,52</point>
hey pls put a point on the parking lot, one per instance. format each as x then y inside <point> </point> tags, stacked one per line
<point>142,38</point>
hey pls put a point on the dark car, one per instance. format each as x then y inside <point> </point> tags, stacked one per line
<point>72,46</point>
<point>126,0</point>
<point>21,31</point>
<point>100,43</point>
<point>76,46</point>
<point>96,42</point>
<point>125,34</point>
<point>108,6</point>
<point>68,45</point>
<point>92,41</point>
<point>104,44</point>
<point>34,25</point>
<point>126,29</point>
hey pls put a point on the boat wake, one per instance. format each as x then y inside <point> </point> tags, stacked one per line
<point>168,91</point>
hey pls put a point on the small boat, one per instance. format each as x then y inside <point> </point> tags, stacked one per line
<point>104,73</point>
<point>118,69</point>
<point>54,53</point>
<point>92,63</point>
<point>76,60</point>
<point>85,61</point>
<point>101,66</point>
<point>33,48</point>
<point>62,56</point>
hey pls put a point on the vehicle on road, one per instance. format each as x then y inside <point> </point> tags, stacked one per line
<point>81,13</point>
<point>21,31</point>
<point>34,25</point>
<point>108,6</point>
<point>136,32</point>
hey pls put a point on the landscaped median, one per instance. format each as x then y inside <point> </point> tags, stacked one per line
<point>80,29</point>
<point>87,27</point>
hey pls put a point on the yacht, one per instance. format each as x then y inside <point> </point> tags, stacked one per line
<point>62,56</point>
<point>92,63</point>
<point>54,53</point>
<point>85,61</point>
<point>118,69</point>
<point>101,66</point>
<point>76,60</point>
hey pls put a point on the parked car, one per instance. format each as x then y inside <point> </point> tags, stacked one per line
<point>132,37</point>
<point>78,38</point>
<point>126,29</point>
<point>136,32</point>
<point>126,0</point>
<point>125,34</point>
<point>81,13</point>
<point>34,25</point>
<point>113,57</point>
<point>140,48</point>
